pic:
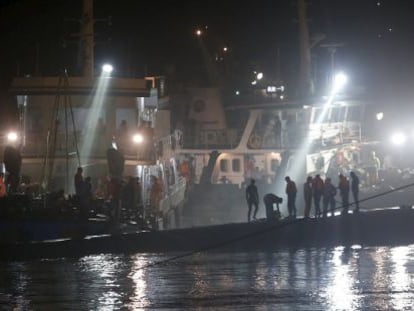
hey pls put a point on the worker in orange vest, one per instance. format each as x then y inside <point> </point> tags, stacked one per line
<point>3,191</point>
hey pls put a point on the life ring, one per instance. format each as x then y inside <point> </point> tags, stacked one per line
<point>255,141</point>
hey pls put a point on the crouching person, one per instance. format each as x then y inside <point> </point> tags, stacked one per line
<point>269,200</point>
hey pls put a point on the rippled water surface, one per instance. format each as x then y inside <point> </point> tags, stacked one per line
<point>306,279</point>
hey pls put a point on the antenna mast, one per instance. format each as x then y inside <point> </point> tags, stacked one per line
<point>305,82</point>
<point>88,38</point>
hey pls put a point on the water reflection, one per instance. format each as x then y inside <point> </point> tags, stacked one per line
<point>102,272</point>
<point>324,279</point>
<point>401,297</point>
<point>138,275</point>
<point>342,292</point>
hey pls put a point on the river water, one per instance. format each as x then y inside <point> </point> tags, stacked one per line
<point>355,278</point>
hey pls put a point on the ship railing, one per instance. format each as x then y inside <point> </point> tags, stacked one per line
<point>211,139</point>
<point>37,145</point>
<point>295,137</point>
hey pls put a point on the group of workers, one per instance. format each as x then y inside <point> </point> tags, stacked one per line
<point>115,190</point>
<point>315,189</point>
<point>323,191</point>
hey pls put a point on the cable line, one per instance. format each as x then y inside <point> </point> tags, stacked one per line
<point>259,232</point>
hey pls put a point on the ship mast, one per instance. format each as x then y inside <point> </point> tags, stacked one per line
<point>88,38</point>
<point>305,82</point>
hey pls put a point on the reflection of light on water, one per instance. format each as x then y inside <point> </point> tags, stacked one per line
<point>21,282</point>
<point>401,297</point>
<point>340,292</point>
<point>378,258</point>
<point>260,278</point>
<point>200,286</point>
<point>137,275</point>
<point>103,270</point>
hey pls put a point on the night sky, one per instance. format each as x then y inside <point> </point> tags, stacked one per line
<point>157,37</point>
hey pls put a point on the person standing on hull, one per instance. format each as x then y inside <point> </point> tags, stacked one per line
<point>269,200</point>
<point>78,180</point>
<point>355,190</point>
<point>3,191</point>
<point>329,193</point>
<point>252,198</point>
<point>291,192</point>
<point>344,191</point>
<point>374,164</point>
<point>317,187</point>
<point>307,195</point>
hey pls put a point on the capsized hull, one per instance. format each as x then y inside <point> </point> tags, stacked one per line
<point>372,228</point>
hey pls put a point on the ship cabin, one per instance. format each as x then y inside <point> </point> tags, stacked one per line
<point>263,140</point>
<point>67,122</point>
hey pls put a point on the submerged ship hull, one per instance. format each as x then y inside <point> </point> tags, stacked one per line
<point>371,228</point>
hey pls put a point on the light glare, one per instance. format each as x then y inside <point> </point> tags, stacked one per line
<point>138,138</point>
<point>107,68</point>
<point>380,116</point>
<point>398,139</point>
<point>12,136</point>
<point>339,82</point>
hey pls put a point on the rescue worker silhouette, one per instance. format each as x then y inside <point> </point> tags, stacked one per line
<point>317,188</point>
<point>307,196</point>
<point>78,180</point>
<point>355,190</point>
<point>291,192</point>
<point>374,165</point>
<point>252,198</point>
<point>344,192</point>
<point>329,193</point>
<point>3,191</point>
<point>269,200</point>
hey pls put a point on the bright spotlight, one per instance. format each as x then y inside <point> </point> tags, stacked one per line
<point>380,116</point>
<point>254,82</point>
<point>259,76</point>
<point>198,32</point>
<point>225,49</point>
<point>107,68</point>
<point>137,138</point>
<point>339,82</point>
<point>12,137</point>
<point>398,139</point>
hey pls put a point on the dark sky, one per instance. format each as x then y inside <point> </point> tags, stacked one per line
<point>157,37</point>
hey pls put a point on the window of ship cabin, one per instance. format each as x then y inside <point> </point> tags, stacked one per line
<point>235,164</point>
<point>224,166</point>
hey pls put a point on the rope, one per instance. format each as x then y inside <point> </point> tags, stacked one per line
<point>271,228</point>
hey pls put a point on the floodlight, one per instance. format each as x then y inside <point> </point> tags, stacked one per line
<point>339,82</point>
<point>398,139</point>
<point>107,68</point>
<point>12,136</point>
<point>137,138</point>
<point>380,116</point>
